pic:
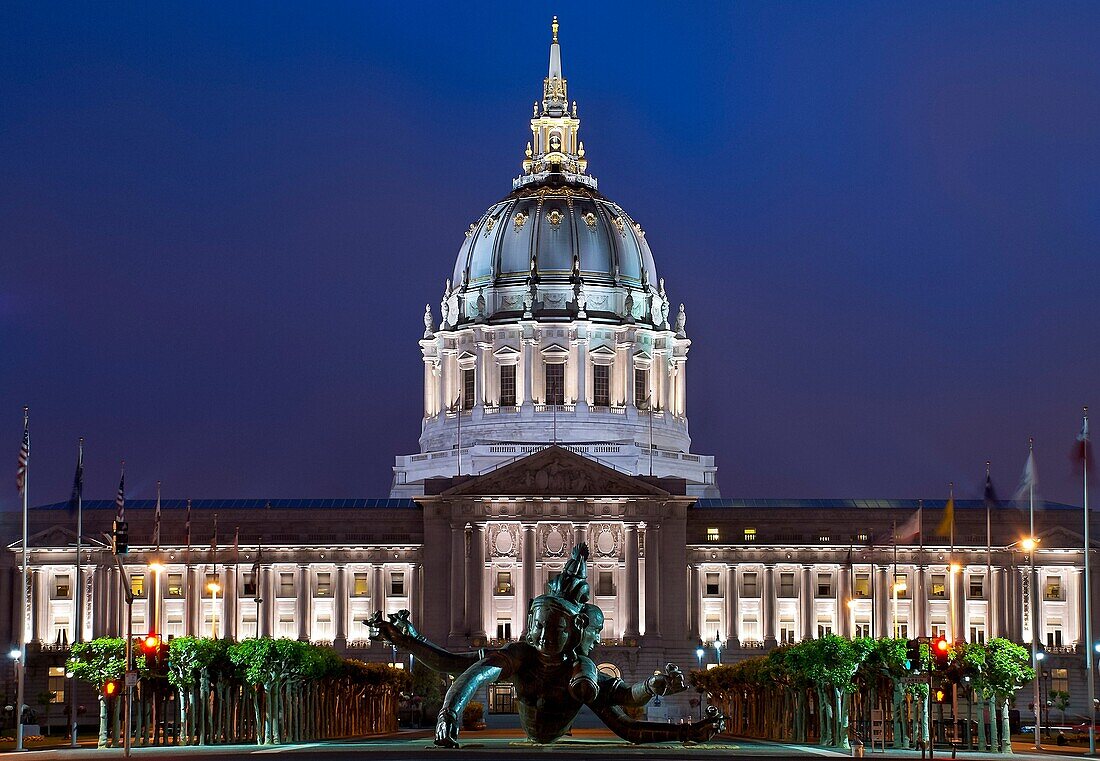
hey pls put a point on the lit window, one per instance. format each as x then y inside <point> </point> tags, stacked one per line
<point>507,385</point>
<point>1059,680</point>
<point>605,585</point>
<point>57,684</point>
<point>824,585</point>
<point>397,584</point>
<point>175,585</point>
<point>938,587</point>
<point>555,384</point>
<point>901,583</point>
<point>137,584</point>
<point>468,389</point>
<point>504,584</point>
<point>248,587</point>
<point>601,385</point>
<point>786,631</point>
<point>977,588</point>
<point>61,588</point>
<point>750,535</point>
<point>712,584</point>
<point>712,534</point>
<point>863,538</point>
<point>360,587</point>
<point>211,578</point>
<point>823,538</point>
<point>324,584</point>
<point>862,586</point>
<point>1052,590</point>
<point>641,388</point>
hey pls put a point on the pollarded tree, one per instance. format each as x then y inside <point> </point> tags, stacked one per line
<point>1005,669</point>
<point>98,662</point>
<point>831,662</point>
<point>258,664</point>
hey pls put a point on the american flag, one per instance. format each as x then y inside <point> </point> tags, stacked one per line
<point>187,527</point>
<point>24,456</point>
<point>120,498</point>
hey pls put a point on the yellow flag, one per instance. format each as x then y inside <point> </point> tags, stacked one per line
<point>944,529</point>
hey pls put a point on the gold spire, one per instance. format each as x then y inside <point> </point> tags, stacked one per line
<point>554,28</point>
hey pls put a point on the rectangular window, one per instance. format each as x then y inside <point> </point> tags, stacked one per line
<point>360,586</point>
<point>862,585</point>
<point>504,629</point>
<point>504,584</point>
<point>901,582</point>
<point>641,388</point>
<point>286,584</point>
<point>324,584</point>
<point>863,629</point>
<point>977,589</point>
<point>939,628</point>
<point>824,538</point>
<point>786,584</point>
<point>712,534</point>
<point>825,628</point>
<point>938,588</point>
<point>977,632</point>
<point>750,629</point>
<point>56,685</point>
<point>248,588</point>
<point>824,585</point>
<point>1052,590</point>
<point>61,588</point>
<point>786,631</point>
<point>137,584</point>
<point>555,384</point>
<point>175,585</point>
<point>903,630</point>
<point>507,385</point>
<point>468,389</point>
<point>712,584</point>
<point>712,626</point>
<point>397,584</point>
<point>211,584</point>
<point>1054,637</point>
<point>748,584</point>
<point>601,385</point>
<point>605,585</point>
<point>750,535</point>
<point>1059,681</point>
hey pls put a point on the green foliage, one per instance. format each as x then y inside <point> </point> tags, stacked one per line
<point>98,661</point>
<point>1003,670</point>
<point>1061,699</point>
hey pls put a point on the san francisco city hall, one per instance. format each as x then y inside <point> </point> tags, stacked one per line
<point>555,411</point>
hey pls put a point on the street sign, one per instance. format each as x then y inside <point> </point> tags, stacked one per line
<point>131,678</point>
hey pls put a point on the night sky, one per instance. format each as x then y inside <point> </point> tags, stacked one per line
<point>219,227</point>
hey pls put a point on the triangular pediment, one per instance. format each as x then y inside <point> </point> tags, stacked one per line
<point>555,350</point>
<point>467,355</point>
<point>602,351</point>
<point>506,351</point>
<point>555,471</point>
<point>53,536</point>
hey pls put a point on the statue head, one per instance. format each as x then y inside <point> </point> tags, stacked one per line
<point>590,637</point>
<point>555,626</point>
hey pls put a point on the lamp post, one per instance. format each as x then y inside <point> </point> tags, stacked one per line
<point>16,655</point>
<point>1038,698</point>
<point>718,647</point>
<point>699,656</point>
<point>214,588</point>
<point>1028,546</point>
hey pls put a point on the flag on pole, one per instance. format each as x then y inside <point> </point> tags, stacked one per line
<point>214,544</point>
<point>946,525</point>
<point>156,520</point>
<point>1082,450</point>
<point>910,531</point>
<point>24,455</point>
<point>989,496</point>
<point>237,546</point>
<point>1029,480</point>
<point>120,498</point>
<point>78,480</point>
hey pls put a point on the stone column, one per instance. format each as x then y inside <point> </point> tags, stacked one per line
<point>806,602</point>
<point>653,581</point>
<point>958,604</point>
<point>693,603</point>
<point>528,348</point>
<point>475,605</point>
<point>305,595</point>
<point>631,402</point>
<point>582,374</point>
<point>767,607</point>
<point>378,587</point>
<point>458,578</point>
<point>38,618</point>
<point>414,592</point>
<point>631,532</point>
<point>995,602</point>
<point>266,614</point>
<point>1014,578</point>
<point>340,607</point>
<point>530,590</point>
<point>883,603</point>
<point>919,603</point>
<point>732,592</point>
<point>843,596</point>
<point>429,389</point>
<point>682,386</point>
<point>666,381</point>
<point>100,581</point>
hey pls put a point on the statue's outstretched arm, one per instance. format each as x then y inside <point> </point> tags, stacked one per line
<point>657,731</point>
<point>400,631</point>
<point>639,694</point>
<point>490,668</point>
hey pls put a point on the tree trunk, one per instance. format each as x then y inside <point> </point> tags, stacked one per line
<point>1006,738</point>
<point>115,722</point>
<point>102,722</point>
<point>993,728</point>
<point>981,728</point>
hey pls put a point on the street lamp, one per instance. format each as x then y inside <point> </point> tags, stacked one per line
<point>214,588</point>
<point>718,647</point>
<point>699,656</point>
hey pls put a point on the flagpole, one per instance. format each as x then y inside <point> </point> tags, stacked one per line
<point>79,631</point>
<point>920,570</point>
<point>894,582</point>
<point>951,561</point>
<point>23,593</point>
<point>1088,600</point>
<point>1031,588</point>
<point>988,556</point>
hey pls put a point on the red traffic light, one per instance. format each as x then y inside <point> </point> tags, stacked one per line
<point>151,643</point>
<point>942,645</point>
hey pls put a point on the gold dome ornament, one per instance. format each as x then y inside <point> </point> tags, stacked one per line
<point>554,217</point>
<point>519,220</point>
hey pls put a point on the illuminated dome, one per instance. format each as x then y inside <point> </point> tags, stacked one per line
<point>555,328</point>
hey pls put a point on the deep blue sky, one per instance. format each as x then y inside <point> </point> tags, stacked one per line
<point>219,224</point>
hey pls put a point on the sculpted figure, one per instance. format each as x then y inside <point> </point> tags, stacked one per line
<point>681,323</point>
<point>428,327</point>
<point>551,669</point>
<point>445,306</point>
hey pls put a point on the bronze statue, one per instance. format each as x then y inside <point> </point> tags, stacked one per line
<point>551,669</point>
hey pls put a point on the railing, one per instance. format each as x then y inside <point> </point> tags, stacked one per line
<point>555,407</point>
<point>752,644</point>
<point>1061,649</point>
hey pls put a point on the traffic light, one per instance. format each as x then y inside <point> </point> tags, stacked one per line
<point>154,649</point>
<point>941,693</point>
<point>151,644</point>
<point>912,655</point>
<point>941,650</point>
<point>111,688</point>
<point>120,538</point>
